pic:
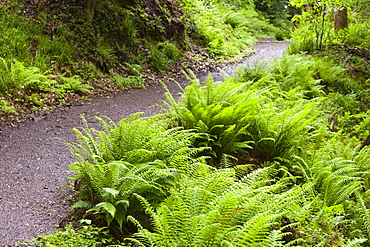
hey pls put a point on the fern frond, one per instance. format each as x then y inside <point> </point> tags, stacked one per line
<point>256,231</point>
<point>354,242</point>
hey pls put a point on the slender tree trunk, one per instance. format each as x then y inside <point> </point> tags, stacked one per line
<point>90,9</point>
<point>340,19</point>
<point>365,143</point>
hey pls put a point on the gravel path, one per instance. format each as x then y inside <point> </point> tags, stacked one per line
<point>33,159</point>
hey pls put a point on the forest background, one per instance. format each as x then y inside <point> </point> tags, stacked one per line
<point>276,155</point>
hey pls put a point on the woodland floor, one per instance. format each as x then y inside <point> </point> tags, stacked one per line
<point>34,195</point>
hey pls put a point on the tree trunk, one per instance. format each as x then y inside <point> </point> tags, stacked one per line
<point>365,143</point>
<point>340,19</point>
<point>90,9</point>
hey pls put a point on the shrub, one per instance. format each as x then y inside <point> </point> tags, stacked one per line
<point>73,84</point>
<point>292,182</point>
<point>133,156</point>
<point>226,28</point>
<point>86,236</point>
<point>124,82</point>
<point>15,76</point>
<point>237,119</point>
<point>158,60</point>
<point>6,107</point>
<point>132,69</point>
<point>356,35</point>
<point>170,50</point>
<point>311,75</point>
<point>212,209</point>
<point>162,55</point>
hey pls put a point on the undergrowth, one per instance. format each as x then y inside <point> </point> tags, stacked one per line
<point>73,53</point>
<point>225,27</point>
<point>250,161</point>
<point>87,235</point>
<point>269,157</point>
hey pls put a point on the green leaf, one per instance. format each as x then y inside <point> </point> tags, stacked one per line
<point>111,191</point>
<point>81,204</point>
<point>120,217</point>
<point>123,203</point>
<point>110,210</point>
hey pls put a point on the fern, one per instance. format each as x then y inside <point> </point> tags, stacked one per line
<point>354,242</point>
<point>214,210</point>
<point>134,156</point>
<point>74,84</point>
<point>362,162</point>
<point>16,76</point>
<point>361,214</point>
<point>242,123</point>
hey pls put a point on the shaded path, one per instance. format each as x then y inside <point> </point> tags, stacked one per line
<point>33,194</point>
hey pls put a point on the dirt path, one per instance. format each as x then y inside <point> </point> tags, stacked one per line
<point>33,191</point>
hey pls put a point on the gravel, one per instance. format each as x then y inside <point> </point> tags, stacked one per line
<point>34,158</point>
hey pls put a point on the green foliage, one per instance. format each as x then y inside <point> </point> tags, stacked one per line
<point>292,182</point>
<point>302,41</point>
<point>287,73</point>
<point>86,236</point>
<point>315,77</point>
<point>226,28</point>
<point>17,79</point>
<point>170,50</point>
<point>109,188</point>
<point>27,58</point>
<point>135,81</point>
<point>23,40</point>
<point>106,57</point>
<point>357,35</point>
<point>341,178</point>
<point>341,104</point>
<point>130,81</point>
<point>280,14</point>
<point>57,51</point>
<point>306,39</point>
<point>211,209</point>
<point>6,107</point>
<point>214,209</point>
<point>73,84</point>
<point>355,124</point>
<point>237,119</point>
<point>132,69</point>
<point>133,156</point>
<point>158,60</point>
<point>296,71</point>
<point>15,76</point>
<point>316,29</point>
<point>136,26</point>
<point>127,139</point>
<point>162,55</point>
<point>88,71</point>
<point>312,75</point>
<point>62,38</point>
<point>129,28</point>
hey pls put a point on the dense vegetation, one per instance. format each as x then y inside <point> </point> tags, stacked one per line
<point>53,52</point>
<point>277,155</point>
<point>251,161</point>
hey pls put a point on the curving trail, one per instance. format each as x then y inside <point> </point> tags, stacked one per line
<point>33,190</point>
